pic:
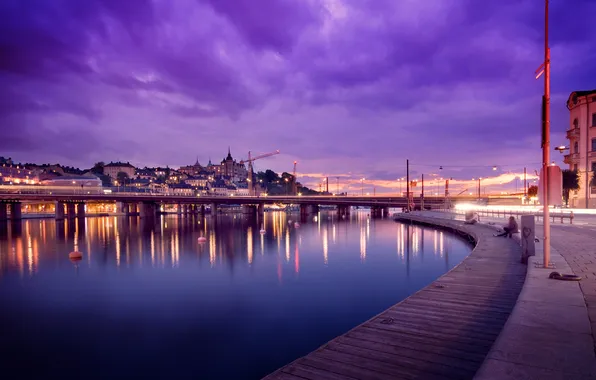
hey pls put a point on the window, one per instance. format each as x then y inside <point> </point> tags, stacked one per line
<point>593,145</point>
<point>576,147</point>
<point>594,166</point>
<point>574,167</point>
<point>575,123</point>
<point>594,119</point>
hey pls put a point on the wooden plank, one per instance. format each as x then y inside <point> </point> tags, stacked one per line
<point>311,373</point>
<point>420,360</point>
<point>414,347</point>
<point>324,365</point>
<point>368,363</point>
<point>441,332</point>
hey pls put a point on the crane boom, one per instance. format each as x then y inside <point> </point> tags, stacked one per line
<point>250,161</point>
<point>295,181</point>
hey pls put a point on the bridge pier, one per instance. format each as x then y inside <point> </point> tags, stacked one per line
<point>343,210</point>
<point>70,210</point>
<point>261,209</point>
<point>59,213</point>
<point>15,211</point>
<point>213,208</point>
<point>249,209</point>
<point>122,208</point>
<point>3,211</point>
<point>202,210</point>
<point>179,209</point>
<point>308,209</point>
<point>148,210</point>
<point>81,210</point>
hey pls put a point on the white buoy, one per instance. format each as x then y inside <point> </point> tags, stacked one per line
<point>262,231</point>
<point>202,239</point>
<point>75,256</point>
<point>296,224</point>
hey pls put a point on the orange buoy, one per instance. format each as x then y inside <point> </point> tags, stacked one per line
<point>75,256</point>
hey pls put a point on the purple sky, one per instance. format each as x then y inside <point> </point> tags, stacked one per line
<point>348,88</point>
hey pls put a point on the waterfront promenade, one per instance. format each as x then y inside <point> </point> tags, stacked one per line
<point>443,331</point>
<point>548,332</point>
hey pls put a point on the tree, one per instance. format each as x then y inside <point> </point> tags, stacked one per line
<point>532,191</point>
<point>122,177</point>
<point>570,182</point>
<point>98,167</point>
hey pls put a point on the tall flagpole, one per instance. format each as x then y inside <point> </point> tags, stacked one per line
<point>546,143</point>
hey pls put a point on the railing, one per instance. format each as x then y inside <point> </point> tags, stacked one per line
<point>569,158</point>
<point>554,215</point>
<point>573,133</point>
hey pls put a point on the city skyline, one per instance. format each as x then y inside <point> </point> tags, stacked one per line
<point>346,88</point>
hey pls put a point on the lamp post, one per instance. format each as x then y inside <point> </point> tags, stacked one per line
<point>545,68</point>
<point>362,186</point>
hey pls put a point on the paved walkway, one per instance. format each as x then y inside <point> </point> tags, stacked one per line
<point>551,333</point>
<point>578,246</point>
<point>444,331</point>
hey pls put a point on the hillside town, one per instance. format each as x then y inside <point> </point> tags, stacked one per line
<point>226,178</point>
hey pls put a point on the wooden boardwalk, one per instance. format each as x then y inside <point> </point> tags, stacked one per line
<point>444,331</point>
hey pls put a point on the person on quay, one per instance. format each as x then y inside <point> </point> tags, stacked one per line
<point>510,228</point>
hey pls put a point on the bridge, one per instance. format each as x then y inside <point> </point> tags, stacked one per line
<point>149,205</point>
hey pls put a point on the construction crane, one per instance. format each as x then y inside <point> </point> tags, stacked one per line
<point>295,186</point>
<point>250,160</point>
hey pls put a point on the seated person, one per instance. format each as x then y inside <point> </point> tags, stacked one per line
<point>510,228</point>
<point>471,217</point>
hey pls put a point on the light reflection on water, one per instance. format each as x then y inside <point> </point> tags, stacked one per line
<point>294,288</point>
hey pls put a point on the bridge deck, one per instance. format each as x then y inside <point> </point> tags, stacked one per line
<point>442,332</point>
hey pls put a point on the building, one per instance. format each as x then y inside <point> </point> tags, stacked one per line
<point>231,169</point>
<point>113,168</point>
<point>191,170</point>
<point>582,146</point>
<point>200,181</point>
<point>16,175</point>
<point>145,174</point>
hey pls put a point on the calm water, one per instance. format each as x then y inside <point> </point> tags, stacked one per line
<point>149,300</point>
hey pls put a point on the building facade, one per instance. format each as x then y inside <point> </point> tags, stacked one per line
<point>231,169</point>
<point>113,168</point>
<point>582,146</point>
<point>17,175</point>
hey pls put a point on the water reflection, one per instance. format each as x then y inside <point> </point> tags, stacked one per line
<point>156,270</point>
<point>167,240</point>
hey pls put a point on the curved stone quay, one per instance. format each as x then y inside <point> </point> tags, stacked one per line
<point>443,331</point>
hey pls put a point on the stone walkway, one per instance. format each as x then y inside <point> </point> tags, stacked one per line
<point>578,246</point>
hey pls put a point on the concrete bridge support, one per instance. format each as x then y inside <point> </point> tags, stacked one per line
<point>261,209</point>
<point>3,211</point>
<point>81,210</point>
<point>214,209</point>
<point>59,213</point>
<point>15,211</point>
<point>70,210</point>
<point>343,210</point>
<point>202,210</point>
<point>179,209</point>
<point>148,209</point>
<point>122,208</point>
<point>309,209</point>
<point>249,209</point>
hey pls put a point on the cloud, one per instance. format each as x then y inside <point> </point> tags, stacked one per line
<point>343,86</point>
